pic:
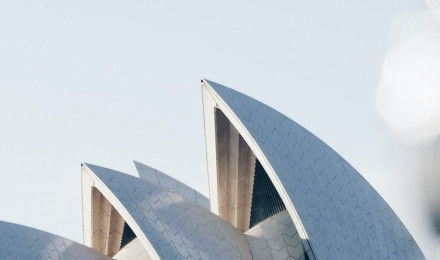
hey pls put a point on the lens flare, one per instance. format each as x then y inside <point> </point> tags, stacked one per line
<point>408,96</point>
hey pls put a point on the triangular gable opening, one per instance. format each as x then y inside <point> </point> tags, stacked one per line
<point>266,201</point>
<point>127,235</point>
<point>110,232</point>
<point>246,195</point>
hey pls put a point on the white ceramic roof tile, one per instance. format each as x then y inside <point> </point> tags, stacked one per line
<point>276,238</point>
<point>21,242</point>
<point>146,172</point>
<point>152,175</point>
<point>176,227</point>
<point>344,217</point>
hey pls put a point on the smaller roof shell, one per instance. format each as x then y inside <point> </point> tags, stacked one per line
<point>157,177</point>
<point>21,242</point>
<point>174,227</point>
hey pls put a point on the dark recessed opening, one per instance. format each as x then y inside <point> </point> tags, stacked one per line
<point>266,201</point>
<point>127,235</point>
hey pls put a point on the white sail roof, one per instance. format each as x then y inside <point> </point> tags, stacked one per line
<point>175,227</point>
<point>338,213</point>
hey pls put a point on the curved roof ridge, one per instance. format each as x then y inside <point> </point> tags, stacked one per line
<point>176,228</point>
<point>343,215</point>
<point>160,178</point>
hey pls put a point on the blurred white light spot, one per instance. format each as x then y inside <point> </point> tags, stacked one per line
<point>434,5</point>
<point>408,96</point>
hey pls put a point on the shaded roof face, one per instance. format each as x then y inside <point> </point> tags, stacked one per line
<point>276,238</point>
<point>343,216</point>
<point>176,227</point>
<point>21,242</point>
<point>157,177</point>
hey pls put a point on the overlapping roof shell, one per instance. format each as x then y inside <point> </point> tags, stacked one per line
<point>338,213</point>
<point>328,211</point>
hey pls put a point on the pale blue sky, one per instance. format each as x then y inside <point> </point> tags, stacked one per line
<point>106,82</point>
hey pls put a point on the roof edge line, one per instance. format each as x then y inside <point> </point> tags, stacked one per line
<point>108,194</point>
<point>229,113</point>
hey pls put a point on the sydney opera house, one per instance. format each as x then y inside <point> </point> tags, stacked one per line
<point>276,191</point>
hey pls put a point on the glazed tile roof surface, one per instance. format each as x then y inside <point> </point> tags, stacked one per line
<point>339,215</point>
<point>344,217</point>
<point>176,227</point>
<point>276,238</point>
<point>157,177</point>
<point>21,242</point>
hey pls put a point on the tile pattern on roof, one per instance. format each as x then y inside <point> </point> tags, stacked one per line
<point>344,217</point>
<point>21,242</point>
<point>276,238</point>
<point>176,228</point>
<point>155,176</point>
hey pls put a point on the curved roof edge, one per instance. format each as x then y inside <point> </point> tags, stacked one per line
<point>157,177</point>
<point>332,206</point>
<point>22,242</point>
<point>92,177</point>
<point>212,101</point>
<point>165,222</point>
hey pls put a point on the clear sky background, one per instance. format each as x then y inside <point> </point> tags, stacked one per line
<point>106,82</point>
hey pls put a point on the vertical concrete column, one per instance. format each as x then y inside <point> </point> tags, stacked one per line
<point>114,233</point>
<point>97,233</point>
<point>222,141</point>
<point>233,177</point>
<point>107,225</point>
<point>235,174</point>
<point>105,211</point>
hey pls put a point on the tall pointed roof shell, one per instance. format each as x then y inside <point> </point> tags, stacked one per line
<point>340,213</point>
